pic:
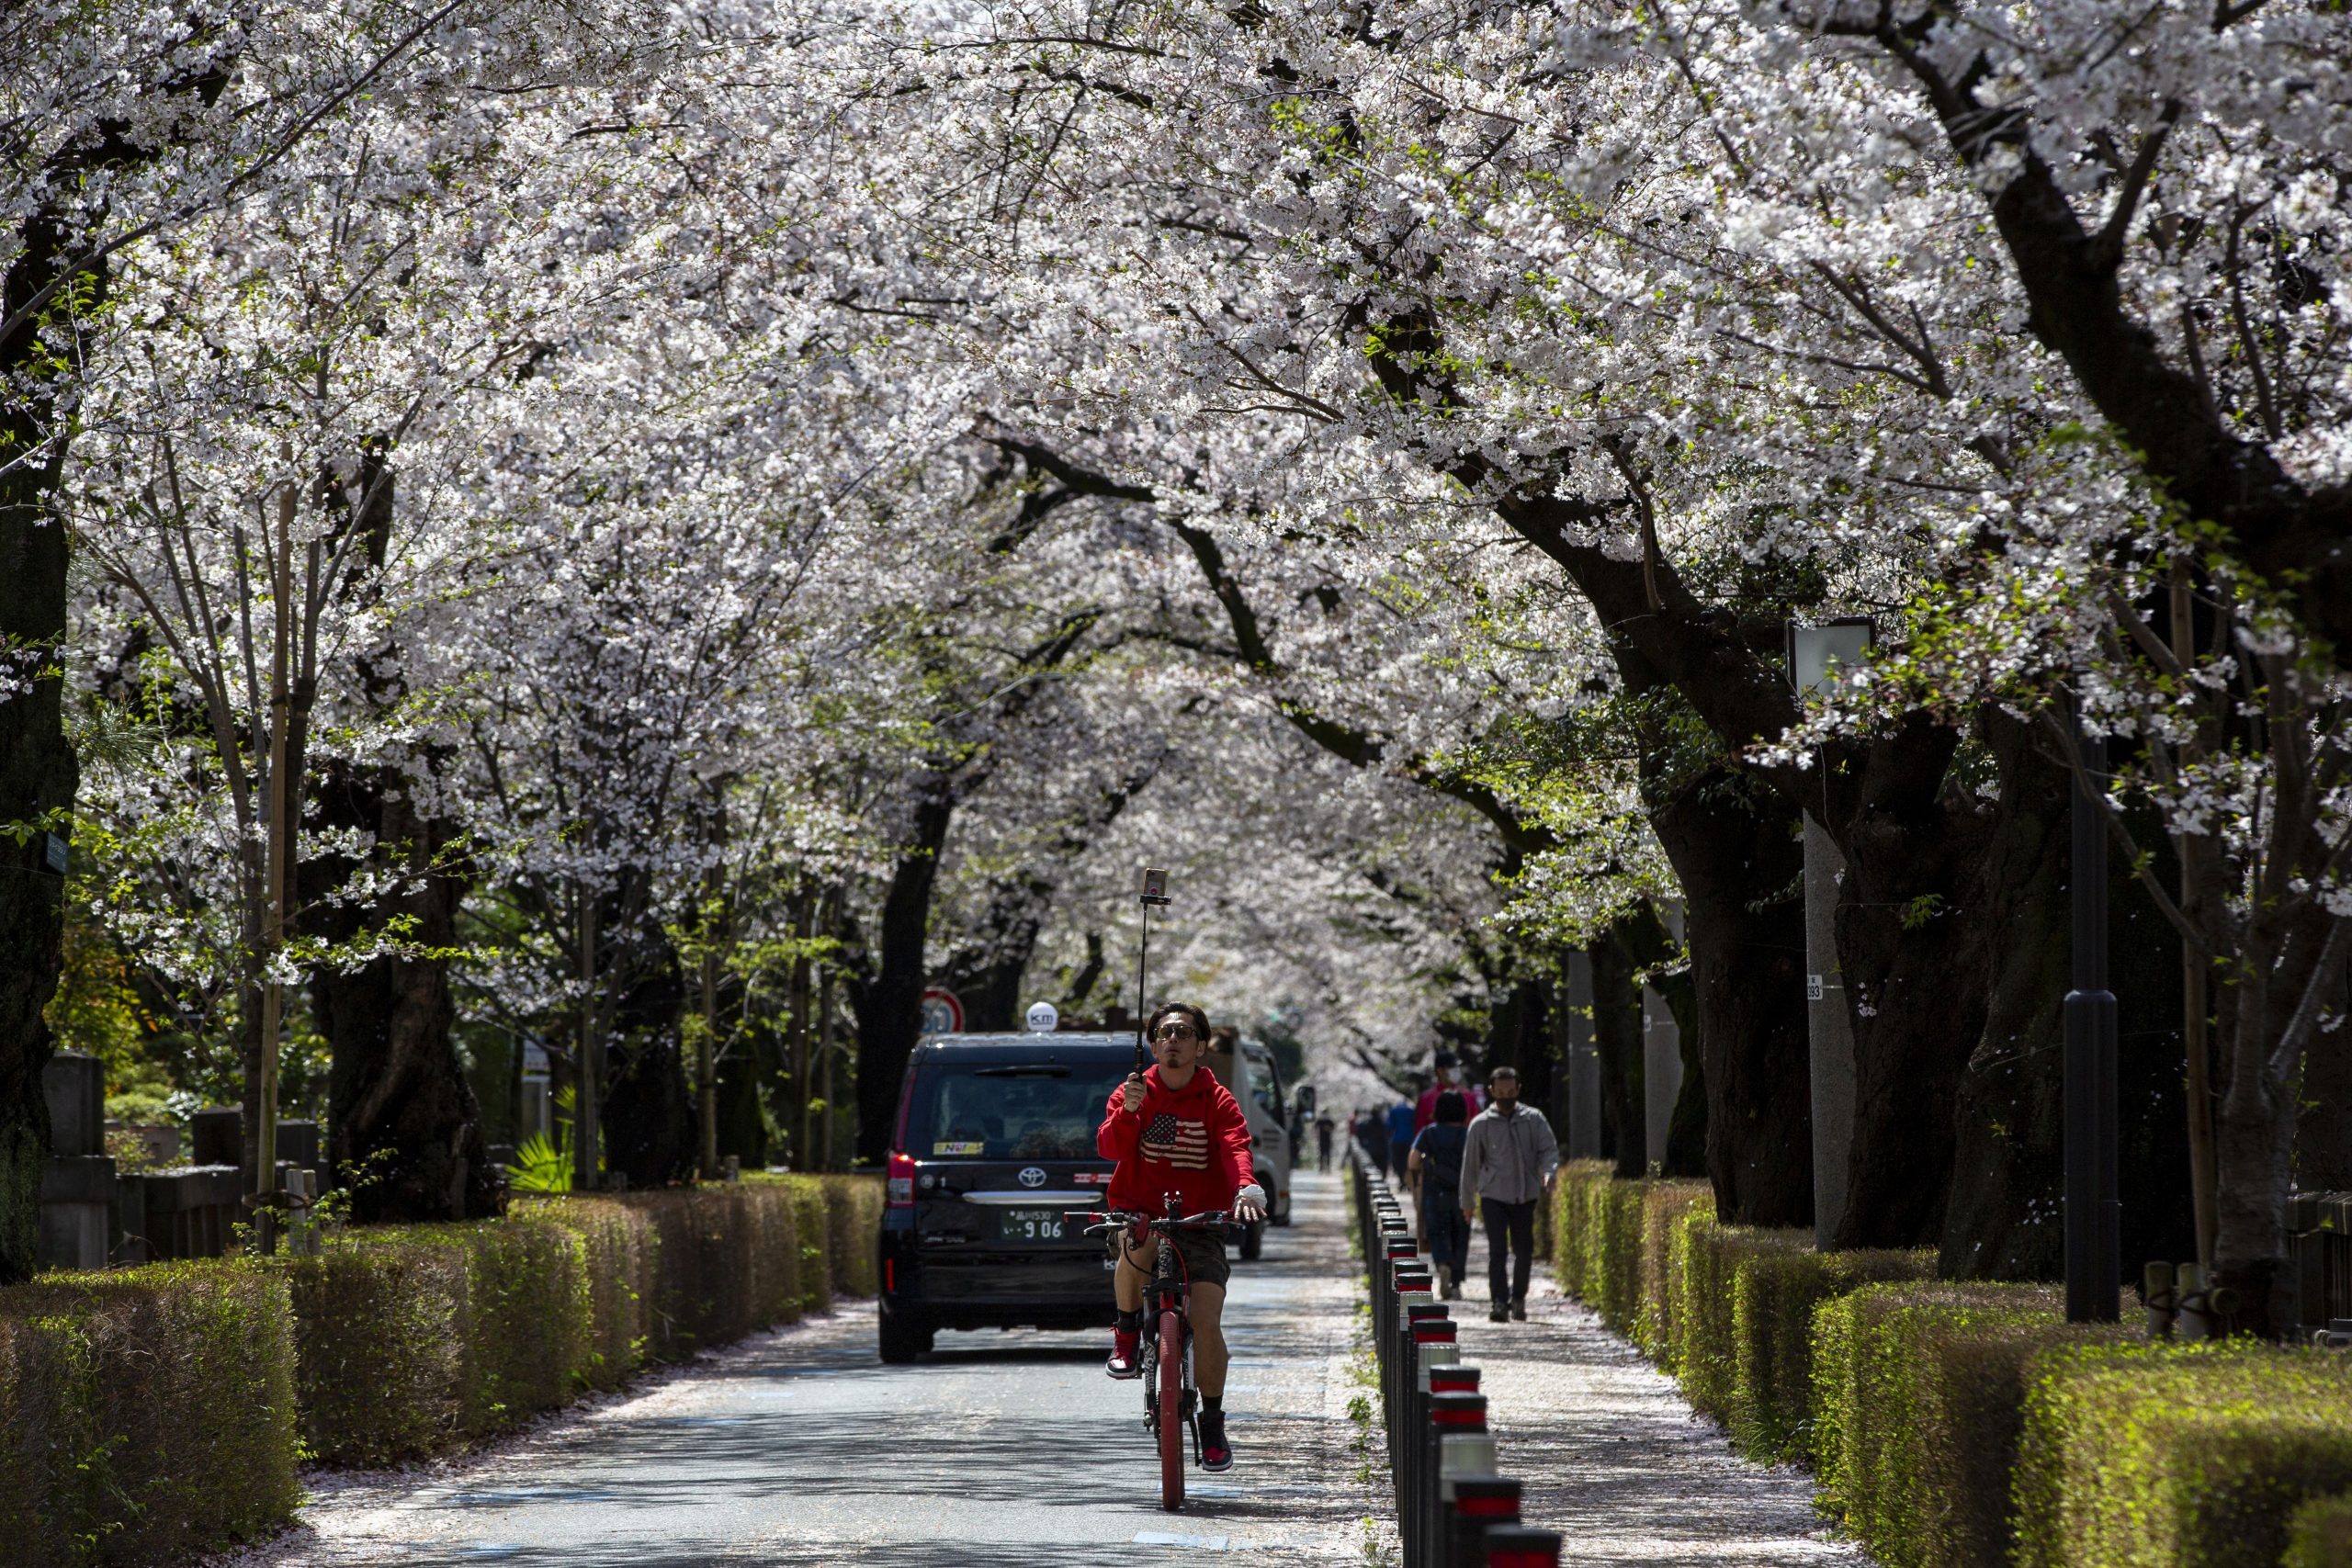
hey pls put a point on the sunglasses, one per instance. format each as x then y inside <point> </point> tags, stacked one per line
<point>1176,1032</point>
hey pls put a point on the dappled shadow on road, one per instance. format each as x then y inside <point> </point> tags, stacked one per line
<point>983,1555</point>
<point>1000,1450</point>
<point>830,1553</point>
<point>969,1350</point>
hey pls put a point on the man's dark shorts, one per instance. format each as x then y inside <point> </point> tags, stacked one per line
<point>1204,1256</point>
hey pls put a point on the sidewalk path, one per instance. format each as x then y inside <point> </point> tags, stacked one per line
<point>1002,1450</point>
<point>1614,1460</point>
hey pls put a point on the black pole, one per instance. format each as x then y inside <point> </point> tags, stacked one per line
<point>1143,958</point>
<point>2094,1236</point>
<point>1154,896</point>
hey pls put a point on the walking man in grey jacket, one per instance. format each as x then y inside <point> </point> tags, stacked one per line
<point>1508,1161</point>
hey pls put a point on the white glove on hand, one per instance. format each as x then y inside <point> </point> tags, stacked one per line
<point>1249,1203</point>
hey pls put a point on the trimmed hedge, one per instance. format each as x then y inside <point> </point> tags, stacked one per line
<point>146,1413</point>
<point>854,1218</point>
<point>1665,1207</point>
<point>2320,1535</point>
<point>1704,1255</point>
<point>617,1243</point>
<point>1576,1195</point>
<point>1611,1245</point>
<point>1777,1285</point>
<point>2172,1455</point>
<point>1919,1398</point>
<point>151,1412</point>
<point>728,1262</point>
<point>417,1338</point>
<point>1740,1308</point>
<point>1954,1425</point>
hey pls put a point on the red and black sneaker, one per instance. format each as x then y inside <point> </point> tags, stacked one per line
<point>1126,1354</point>
<point>1215,1452</point>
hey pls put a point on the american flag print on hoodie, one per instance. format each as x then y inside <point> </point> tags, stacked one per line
<point>1189,1144</point>
<point>1184,1144</point>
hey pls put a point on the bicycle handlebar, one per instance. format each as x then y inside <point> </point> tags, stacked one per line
<point>1120,1218</point>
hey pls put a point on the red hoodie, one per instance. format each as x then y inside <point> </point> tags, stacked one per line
<point>1191,1141</point>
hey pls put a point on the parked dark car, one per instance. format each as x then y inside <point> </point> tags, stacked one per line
<point>995,1141</point>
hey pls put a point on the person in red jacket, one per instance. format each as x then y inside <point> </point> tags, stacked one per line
<point>1175,1129</point>
<point>1449,1081</point>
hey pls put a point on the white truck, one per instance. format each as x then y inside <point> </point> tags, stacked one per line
<point>1255,1081</point>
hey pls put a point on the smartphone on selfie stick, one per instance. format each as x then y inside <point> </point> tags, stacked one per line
<point>1155,897</point>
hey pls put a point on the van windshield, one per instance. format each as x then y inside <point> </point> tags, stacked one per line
<point>1264,1088</point>
<point>1004,1112</point>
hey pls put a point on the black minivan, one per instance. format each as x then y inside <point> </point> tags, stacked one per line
<point>995,1141</point>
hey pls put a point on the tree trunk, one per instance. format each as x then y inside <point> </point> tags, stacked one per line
<point>2006,1218</point>
<point>986,975</point>
<point>800,1004</point>
<point>2253,1144</point>
<point>1617,1039</point>
<point>1736,851</point>
<point>38,775</point>
<point>2323,1101</point>
<point>2287,963</point>
<point>707,1062</point>
<point>647,1106</point>
<point>403,1129</point>
<point>889,1006</point>
<point>832,1059</point>
<point>1519,1035</point>
<point>1651,945</point>
<point>741,1131</point>
<point>649,1129</point>
<point>1910,944</point>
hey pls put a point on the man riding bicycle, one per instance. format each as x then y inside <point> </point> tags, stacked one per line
<point>1174,1129</point>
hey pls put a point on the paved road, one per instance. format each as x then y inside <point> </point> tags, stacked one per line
<point>800,1448</point>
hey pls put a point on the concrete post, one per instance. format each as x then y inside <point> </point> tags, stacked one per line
<point>77,1178</point>
<point>1831,1030</point>
<point>1813,653</point>
<point>217,1135</point>
<point>1661,1056</point>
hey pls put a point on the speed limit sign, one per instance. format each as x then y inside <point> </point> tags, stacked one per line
<point>942,1012</point>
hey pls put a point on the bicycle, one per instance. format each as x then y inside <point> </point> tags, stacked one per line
<point>1170,1402</point>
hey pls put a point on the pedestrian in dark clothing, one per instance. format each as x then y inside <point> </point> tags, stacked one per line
<point>1372,1132</point>
<point>1323,1142</point>
<point>1436,1164</point>
<point>1400,1136</point>
<point>1508,1160</point>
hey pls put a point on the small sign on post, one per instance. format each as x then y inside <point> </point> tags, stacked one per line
<point>942,1012</point>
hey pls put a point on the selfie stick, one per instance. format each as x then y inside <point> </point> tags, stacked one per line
<point>1155,896</point>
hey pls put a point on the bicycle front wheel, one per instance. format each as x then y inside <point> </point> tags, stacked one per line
<point>1172,1411</point>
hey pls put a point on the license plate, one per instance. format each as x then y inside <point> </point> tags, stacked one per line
<point>1029,1224</point>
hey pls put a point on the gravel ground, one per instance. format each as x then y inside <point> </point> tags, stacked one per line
<point>1614,1460</point>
